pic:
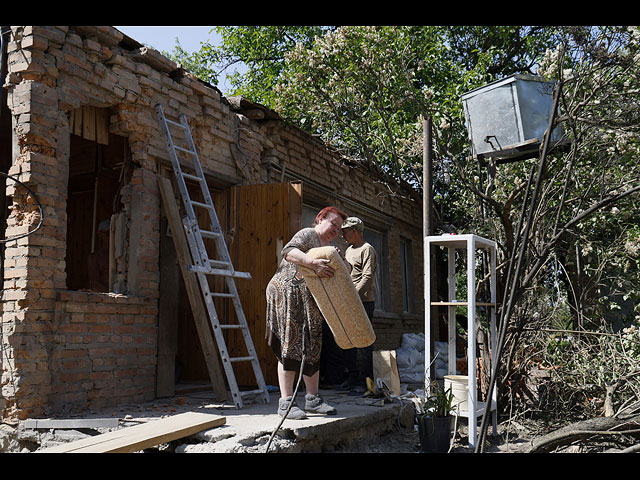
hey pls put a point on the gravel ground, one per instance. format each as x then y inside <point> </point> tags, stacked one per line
<point>406,440</point>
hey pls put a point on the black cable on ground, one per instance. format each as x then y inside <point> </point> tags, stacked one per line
<point>284,417</point>
<point>295,392</point>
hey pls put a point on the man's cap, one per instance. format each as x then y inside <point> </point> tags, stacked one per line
<point>353,222</point>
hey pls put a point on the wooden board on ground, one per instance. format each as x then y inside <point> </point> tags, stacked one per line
<point>71,423</point>
<point>144,435</point>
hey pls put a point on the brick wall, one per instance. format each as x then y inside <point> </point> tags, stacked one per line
<point>104,350</point>
<point>67,349</point>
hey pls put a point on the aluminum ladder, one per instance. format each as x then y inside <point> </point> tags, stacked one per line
<point>202,264</point>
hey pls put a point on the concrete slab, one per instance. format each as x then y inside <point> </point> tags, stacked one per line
<point>251,429</point>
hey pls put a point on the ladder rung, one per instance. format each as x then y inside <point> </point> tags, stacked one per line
<point>231,326</point>
<point>190,152</point>
<point>218,271</point>
<point>227,273</point>
<point>250,392</point>
<point>203,205</point>
<point>219,263</point>
<point>192,177</point>
<point>241,359</point>
<point>209,234</point>
<point>222,295</point>
<point>173,123</point>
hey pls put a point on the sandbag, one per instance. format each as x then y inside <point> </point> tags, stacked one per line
<point>338,301</point>
<point>413,341</point>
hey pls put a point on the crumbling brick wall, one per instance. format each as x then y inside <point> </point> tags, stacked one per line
<point>71,349</point>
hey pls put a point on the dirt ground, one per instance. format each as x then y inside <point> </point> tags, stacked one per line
<point>406,440</point>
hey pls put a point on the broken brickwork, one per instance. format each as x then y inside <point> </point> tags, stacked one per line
<point>66,349</point>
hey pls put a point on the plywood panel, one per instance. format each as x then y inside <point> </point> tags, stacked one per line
<point>89,123</point>
<point>264,218</point>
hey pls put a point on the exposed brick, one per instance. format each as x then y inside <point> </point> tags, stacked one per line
<point>73,349</point>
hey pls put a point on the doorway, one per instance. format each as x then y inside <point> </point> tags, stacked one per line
<point>257,220</point>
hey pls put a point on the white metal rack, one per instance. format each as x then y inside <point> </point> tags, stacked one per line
<point>470,243</point>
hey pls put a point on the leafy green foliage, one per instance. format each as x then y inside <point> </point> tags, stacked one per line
<point>439,403</point>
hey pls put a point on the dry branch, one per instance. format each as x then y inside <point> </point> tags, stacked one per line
<point>594,428</point>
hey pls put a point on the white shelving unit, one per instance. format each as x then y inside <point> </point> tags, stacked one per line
<point>471,243</point>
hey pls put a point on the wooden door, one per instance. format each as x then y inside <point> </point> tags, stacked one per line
<point>257,220</point>
<point>262,220</point>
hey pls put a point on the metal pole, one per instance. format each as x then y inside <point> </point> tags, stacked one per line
<point>427,177</point>
<point>431,321</point>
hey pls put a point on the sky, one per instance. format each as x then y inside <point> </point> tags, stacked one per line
<point>163,39</point>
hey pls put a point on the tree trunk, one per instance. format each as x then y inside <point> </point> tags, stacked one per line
<point>600,428</point>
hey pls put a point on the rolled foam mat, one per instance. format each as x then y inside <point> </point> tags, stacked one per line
<point>338,301</point>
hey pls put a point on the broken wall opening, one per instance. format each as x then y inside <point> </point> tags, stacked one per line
<point>97,172</point>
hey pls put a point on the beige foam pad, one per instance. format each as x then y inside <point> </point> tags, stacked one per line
<point>338,301</point>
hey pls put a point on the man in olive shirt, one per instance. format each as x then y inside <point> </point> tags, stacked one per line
<point>362,257</point>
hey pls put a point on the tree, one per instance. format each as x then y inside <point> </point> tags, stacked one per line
<point>256,55</point>
<point>585,221</point>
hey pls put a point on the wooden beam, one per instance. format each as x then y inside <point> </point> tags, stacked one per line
<point>144,435</point>
<point>72,423</point>
<point>89,123</point>
<point>102,126</point>
<point>77,122</point>
<point>193,289</point>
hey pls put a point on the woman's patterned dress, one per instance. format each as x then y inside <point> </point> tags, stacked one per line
<point>294,322</point>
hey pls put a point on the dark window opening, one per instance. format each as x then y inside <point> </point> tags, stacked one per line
<point>95,171</point>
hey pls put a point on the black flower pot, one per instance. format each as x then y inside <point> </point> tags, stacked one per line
<point>435,433</point>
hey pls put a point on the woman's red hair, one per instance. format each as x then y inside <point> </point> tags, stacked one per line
<point>327,210</point>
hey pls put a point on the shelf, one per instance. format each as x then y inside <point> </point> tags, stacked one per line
<point>470,244</point>
<point>480,409</point>
<point>462,304</point>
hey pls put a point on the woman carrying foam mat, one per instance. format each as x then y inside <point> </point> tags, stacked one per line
<point>294,321</point>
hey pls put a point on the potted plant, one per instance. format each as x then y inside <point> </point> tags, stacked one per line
<point>435,418</point>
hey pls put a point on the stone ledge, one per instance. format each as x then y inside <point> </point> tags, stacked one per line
<point>96,297</point>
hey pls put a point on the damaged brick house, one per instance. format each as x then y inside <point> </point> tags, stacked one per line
<point>94,311</point>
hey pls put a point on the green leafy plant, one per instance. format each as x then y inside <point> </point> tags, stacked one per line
<point>438,404</point>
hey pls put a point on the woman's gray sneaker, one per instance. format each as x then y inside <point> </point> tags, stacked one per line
<point>294,414</point>
<point>315,404</point>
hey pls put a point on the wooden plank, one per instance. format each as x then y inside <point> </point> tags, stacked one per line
<point>89,123</point>
<point>71,423</point>
<point>72,120</point>
<point>144,435</point>
<point>192,287</point>
<point>168,314</point>
<point>102,126</point>
<point>77,122</point>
